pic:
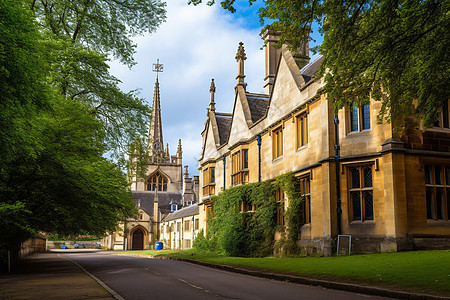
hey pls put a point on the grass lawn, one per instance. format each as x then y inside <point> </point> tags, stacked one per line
<point>418,271</point>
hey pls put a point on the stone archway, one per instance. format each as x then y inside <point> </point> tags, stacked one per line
<point>137,242</point>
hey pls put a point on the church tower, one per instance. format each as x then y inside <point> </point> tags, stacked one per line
<point>164,171</point>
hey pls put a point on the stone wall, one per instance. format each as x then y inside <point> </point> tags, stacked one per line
<point>32,245</point>
<point>71,244</point>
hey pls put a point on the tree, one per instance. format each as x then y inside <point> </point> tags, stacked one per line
<point>394,51</point>
<point>82,35</point>
<point>53,176</point>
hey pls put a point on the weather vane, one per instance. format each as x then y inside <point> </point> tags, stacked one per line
<point>158,67</point>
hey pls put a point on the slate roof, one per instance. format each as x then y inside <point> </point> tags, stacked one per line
<point>182,213</point>
<point>308,71</point>
<point>164,199</point>
<point>258,105</point>
<point>223,126</point>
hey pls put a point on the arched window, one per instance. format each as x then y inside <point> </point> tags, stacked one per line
<point>157,182</point>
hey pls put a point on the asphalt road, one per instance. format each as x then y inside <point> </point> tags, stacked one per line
<point>144,278</point>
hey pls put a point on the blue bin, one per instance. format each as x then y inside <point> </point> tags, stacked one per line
<point>158,246</point>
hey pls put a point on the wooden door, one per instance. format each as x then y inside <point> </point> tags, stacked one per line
<point>138,240</point>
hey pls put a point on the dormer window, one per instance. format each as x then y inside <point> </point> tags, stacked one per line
<point>173,207</point>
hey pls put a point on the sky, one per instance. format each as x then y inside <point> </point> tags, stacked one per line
<point>195,44</point>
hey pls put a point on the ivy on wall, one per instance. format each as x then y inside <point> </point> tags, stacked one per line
<point>250,232</point>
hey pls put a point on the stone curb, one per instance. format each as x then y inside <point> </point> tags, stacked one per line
<point>308,281</point>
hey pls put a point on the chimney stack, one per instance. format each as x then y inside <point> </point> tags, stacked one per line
<point>271,37</point>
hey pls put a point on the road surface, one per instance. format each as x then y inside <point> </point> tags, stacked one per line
<point>144,278</point>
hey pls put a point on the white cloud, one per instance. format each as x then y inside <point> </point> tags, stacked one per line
<point>195,44</point>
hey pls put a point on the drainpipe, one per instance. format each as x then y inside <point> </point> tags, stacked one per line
<point>258,139</point>
<point>224,173</point>
<point>338,181</point>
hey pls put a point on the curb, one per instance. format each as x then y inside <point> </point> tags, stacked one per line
<point>307,281</point>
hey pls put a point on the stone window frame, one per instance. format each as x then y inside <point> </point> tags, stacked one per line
<point>436,211</point>
<point>209,179</point>
<point>443,121</point>
<point>187,225</point>
<point>239,166</point>
<point>305,192</point>
<point>196,224</point>
<point>363,190</point>
<point>358,112</point>
<point>157,183</point>
<point>301,129</point>
<point>280,202</point>
<point>277,142</point>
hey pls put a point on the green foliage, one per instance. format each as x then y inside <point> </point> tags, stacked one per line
<point>53,176</point>
<point>293,214</point>
<point>393,51</point>
<point>202,243</point>
<point>242,233</point>
<point>80,36</point>
<point>251,233</point>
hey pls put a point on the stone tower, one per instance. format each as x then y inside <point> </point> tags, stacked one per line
<point>164,171</point>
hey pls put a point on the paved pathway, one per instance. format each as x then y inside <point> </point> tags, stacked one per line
<point>50,276</point>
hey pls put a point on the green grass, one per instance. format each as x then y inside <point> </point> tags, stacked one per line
<point>419,271</point>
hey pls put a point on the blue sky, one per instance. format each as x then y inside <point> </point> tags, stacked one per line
<point>195,44</point>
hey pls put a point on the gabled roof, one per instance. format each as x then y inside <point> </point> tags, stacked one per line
<point>309,71</point>
<point>223,127</point>
<point>182,213</point>
<point>257,104</point>
<point>147,197</point>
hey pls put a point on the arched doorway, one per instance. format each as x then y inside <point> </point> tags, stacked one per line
<point>138,240</point>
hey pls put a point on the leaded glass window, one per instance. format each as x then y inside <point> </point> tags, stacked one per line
<point>361,193</point>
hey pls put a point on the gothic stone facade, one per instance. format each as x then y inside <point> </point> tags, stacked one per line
<point>156,194</point>
<point>394,188</point>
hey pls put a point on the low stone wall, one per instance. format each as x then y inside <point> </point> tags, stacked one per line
<point>316,247</point>
<point>32,245</point>
<point>71,244</point>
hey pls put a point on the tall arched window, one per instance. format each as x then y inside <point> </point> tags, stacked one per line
<point>157,182</point>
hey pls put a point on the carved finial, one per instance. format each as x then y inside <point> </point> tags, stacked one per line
<point>167,150</point>
<point>240,57</point>
<point>241,52</point>
<point>179,146</point>
<point>212,90</point>
<point>186,172</point>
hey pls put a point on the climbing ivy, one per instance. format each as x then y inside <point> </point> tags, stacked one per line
<point>293,214</point>
<point>250,233</point>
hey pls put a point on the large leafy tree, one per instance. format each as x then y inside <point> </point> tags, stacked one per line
<point>53,176</point>
<point>393,50</point>
<point>83,35</point>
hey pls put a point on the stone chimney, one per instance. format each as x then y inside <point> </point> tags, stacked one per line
<point>271,37</point>
<point>188,189</point>
<point>196,187</point>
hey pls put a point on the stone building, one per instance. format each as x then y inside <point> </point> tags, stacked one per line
<point>160,192</point>
<point>390,191</point>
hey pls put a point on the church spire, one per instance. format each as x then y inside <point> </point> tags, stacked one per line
<point>155,137</point>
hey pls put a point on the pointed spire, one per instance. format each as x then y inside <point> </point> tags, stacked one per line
<point>179,151</point>
<point>155,133</point>
<point>212,90</point>
<point>240,57</point>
